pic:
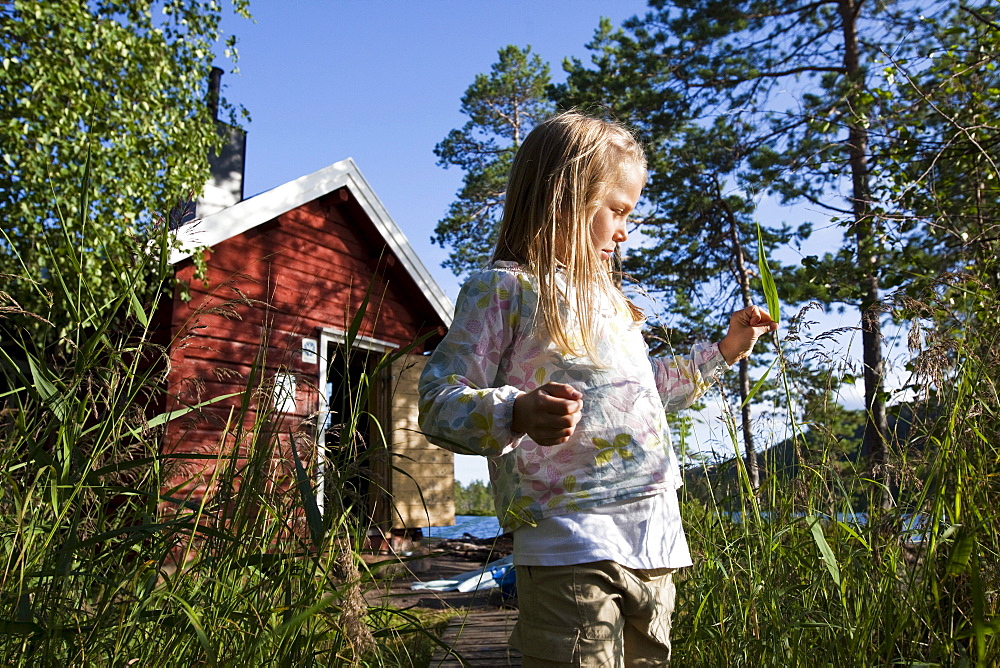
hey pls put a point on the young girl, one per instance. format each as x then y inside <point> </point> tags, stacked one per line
<point>545,372</point>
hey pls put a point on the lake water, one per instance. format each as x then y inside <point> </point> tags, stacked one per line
<point>489,527</point>
<point>486,526</point>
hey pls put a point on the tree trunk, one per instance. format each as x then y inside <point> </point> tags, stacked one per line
<point>743,277</point>
<point>875,442</point>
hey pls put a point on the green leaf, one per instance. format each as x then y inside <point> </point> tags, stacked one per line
<point>163,418</point>
<point>314,518</point>
<point>756,386</point>
<point>194,620</point>
<point>829,559</point>
<point>961,552</point>
<point>12,628</point>
<point>767,280</point>
<point>137,309</point>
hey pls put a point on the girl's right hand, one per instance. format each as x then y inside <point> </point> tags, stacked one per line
<point>745,327</point>
<point>548,414</point>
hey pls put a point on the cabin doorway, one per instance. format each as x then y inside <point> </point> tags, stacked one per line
<point>353,467</point>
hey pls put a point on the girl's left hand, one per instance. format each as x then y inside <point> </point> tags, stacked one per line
<point>548,414</point>
<point>745,327</point>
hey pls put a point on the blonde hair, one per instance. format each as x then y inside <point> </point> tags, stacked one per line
<point>560,174</point>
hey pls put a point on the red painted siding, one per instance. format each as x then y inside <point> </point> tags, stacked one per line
<point>265,291</point>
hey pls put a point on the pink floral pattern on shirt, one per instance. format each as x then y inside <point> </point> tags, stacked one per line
<point>496,350</point>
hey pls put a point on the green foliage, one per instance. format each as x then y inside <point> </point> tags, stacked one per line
<point>99,570</point>
<point>767,280</point>
<point>859,110</point>
<point>939,166</point>
<point>476,498</point>
<point>811,567</point>
<point>119,87</point>
<point>502,107</point>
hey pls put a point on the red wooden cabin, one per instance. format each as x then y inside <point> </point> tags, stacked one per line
<point>287,271</point>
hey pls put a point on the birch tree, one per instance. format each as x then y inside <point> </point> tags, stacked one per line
<point>103,125</point>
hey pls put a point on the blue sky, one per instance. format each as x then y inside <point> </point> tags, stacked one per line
<point>381,81</point>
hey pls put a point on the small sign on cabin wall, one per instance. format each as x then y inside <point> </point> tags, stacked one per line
<point>309,348</point>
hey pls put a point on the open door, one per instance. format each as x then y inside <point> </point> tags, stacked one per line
<point>353,466</point>
<point>372,457</point>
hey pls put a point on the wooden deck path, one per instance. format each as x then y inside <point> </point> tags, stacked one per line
<point>478,638</point>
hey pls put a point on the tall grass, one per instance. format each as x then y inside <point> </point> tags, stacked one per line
<point>796,580</point>
<point>90,572</point>
<point>90,561</point>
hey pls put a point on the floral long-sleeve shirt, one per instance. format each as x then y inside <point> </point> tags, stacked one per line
<point>497,349</point>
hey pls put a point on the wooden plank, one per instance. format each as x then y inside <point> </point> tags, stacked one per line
<point>423,476</point>
<point>478,639</point>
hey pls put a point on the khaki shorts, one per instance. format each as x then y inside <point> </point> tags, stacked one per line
<point>595,614</point>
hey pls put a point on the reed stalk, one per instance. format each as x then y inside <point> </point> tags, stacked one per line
<point>805,571</point>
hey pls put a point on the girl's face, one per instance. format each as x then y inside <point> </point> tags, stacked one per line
<point>608,227</point>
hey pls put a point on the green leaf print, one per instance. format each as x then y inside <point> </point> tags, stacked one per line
<point>480,421</point>
<point>569,483</point>
<point>485,291</point>
<point>540,376</point>
<point>606,451</point>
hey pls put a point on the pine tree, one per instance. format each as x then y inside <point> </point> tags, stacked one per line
<point>793,80</point>
<point>502,107</point>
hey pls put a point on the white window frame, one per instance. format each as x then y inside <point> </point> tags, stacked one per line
<point>284,394</point>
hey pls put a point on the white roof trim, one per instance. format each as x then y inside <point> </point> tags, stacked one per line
<point>257,210</point>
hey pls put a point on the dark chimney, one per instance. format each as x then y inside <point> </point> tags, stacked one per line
<point>214,88</point>
<point>225,188</point>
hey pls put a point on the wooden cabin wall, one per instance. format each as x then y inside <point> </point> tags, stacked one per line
<point>423,475</point>
<point>266,290</point>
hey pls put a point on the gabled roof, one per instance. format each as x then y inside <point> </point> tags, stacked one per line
<point>268,205</point>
